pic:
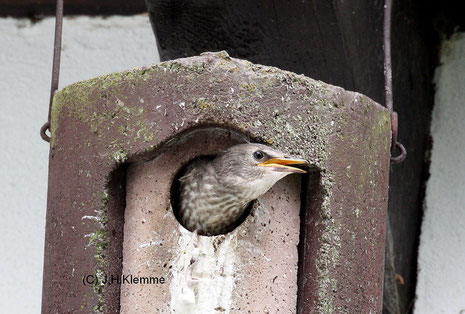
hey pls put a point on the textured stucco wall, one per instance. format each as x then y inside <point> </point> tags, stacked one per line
<point>441,276</point>
<point>91,47</point>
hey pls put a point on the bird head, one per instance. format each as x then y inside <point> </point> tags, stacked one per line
<point>255,168</point>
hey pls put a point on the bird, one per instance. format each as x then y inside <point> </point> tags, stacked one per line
<point>215,193</point>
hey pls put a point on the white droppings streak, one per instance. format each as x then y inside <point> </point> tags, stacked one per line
<point>266,258</point>
<point>203,274</point>
<point>90,217</point>
<point>143,245</point>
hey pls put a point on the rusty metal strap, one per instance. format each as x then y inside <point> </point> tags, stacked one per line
<point>55,67</point>
<point>388,85</point>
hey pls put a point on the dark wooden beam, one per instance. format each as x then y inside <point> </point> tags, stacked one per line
<point>448,17</point>
<point>339,43</point>
<point>39,8</point>
<point>414,58</point>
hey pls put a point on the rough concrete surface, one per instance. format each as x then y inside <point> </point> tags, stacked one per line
<point>101,126</point>
<point>253,268</point>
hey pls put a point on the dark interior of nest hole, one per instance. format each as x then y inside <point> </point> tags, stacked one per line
<point>114,198</point>
<point>312,195</point>
<point>175,193</point>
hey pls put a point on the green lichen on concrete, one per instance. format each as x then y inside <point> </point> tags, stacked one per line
<point>148,137</point>
<point>251,88</point>
<point>287,136</point>
<point>382,125</point>
<point>329,249</point>
<point>99,240</point>
<point>307,132</point>
<point>99,289</point>
<point>77,98</point>
<point>123,130</point>
<point>180,67</point>
<point>202,103</point>
<point>120,156</point>
<point>78,93</point>
<point>329,255</point>
<point>105,198</point>
<point>115,79</point>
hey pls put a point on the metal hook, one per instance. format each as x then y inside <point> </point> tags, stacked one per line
<point>43,131</point>
<point>55,67</point>
<point>388,84</point>
<point>401,156</point>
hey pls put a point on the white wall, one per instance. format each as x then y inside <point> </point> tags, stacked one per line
<point>441,276</point>
<point>91,47</point>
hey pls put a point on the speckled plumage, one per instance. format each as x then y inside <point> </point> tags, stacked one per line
<point>215,193</point>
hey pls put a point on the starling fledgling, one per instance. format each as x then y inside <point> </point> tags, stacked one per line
<point>214,194</point>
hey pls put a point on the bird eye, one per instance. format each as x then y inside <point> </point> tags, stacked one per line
<point>258,155</point>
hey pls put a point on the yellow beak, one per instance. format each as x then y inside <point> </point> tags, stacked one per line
<point>283,164</point>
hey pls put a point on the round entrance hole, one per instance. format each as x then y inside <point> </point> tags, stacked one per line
<point>175,199</point>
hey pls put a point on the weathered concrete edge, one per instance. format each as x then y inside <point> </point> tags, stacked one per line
<point>109,82</point>
<point>106,81</point>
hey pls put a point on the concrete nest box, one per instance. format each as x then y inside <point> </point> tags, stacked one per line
<point>312,244</point>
